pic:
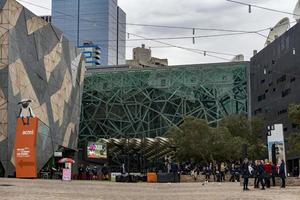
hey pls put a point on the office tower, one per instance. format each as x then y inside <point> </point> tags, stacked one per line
<point>101,22</point>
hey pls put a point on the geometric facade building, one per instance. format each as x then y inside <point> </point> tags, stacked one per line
<point>140,103</point>
<point>37,63</point>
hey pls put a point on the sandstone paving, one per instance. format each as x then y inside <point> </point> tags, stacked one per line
<point>33,189</point>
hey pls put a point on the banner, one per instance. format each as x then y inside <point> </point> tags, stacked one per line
<point>97,150</point>
<point>25,148</point>
<point>276,139</point>
<point>66,176</point>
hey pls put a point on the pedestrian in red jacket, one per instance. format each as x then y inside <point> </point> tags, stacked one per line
<point>268,172</point>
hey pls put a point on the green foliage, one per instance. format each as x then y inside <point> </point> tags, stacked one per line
<point>250,131</point>
<point>293,141</point>
<point>294,113</point>
<point>195,140</point>
<point>293,144</point>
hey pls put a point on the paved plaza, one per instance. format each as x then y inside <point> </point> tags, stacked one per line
<point>54,189</point>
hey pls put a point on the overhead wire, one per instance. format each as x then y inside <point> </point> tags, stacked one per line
<point>264,8</point>
<point>184,48</point>
<point>176,46</point>
<point>151,25</point>
<point>231,32</point>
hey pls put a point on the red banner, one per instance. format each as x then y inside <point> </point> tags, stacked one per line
<point>25,148</point>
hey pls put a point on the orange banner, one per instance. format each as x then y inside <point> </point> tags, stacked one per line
<point>25,148</point>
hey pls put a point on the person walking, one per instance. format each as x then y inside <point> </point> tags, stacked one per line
<point>282,173</point>
<point>261,174</point>
<point>245,174</point>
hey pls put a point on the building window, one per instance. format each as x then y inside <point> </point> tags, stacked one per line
<point>262,81</point>
<point>266,91</point>
<point>257,111</point>
<point>285,92</point>
<point>274,89</point>
<point>285,129</point>
<point>287,42</point>
<point>261,97</point>
<point>281,79</point>
<point>293,79</point>
<point>283,111</point>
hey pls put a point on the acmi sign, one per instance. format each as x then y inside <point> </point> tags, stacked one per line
<point>27,132</point>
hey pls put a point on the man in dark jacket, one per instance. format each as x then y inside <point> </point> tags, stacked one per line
<point>274,173</point>
<point>80,172</point>
<point>261,174</point>
<point>282,173</point>
<point>255,174</point>
<point>175,170</point>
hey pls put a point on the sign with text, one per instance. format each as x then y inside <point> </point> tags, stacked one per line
<point>66,176</point>
<point>25,148</point>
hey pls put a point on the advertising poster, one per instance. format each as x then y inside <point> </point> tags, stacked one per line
<point>97,150</point>
<point>276,138</point>
<point>66,176</point>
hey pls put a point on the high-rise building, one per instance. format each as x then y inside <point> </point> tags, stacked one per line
<point>101,22</point>
<point>47,18</point>
<point>92,54</point>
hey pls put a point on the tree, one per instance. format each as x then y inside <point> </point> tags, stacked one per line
<point>293,141</point>
<point>293,144</point>
<point>294,113</point>
<point>250,131</point>
<point>225,146</point>
<point>190,139</point>
<point>195,140</point>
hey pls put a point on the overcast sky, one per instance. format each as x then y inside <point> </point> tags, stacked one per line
<point>218,14</point>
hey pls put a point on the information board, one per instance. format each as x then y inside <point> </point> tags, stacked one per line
<point>25,148</point>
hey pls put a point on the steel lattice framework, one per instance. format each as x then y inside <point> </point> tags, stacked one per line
<point>146,102</point>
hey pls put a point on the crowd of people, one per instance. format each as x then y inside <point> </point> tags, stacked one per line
<point>93,172</point>
<point>264,172</point>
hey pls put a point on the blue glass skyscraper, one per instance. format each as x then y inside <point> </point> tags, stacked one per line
<point>101,22</point>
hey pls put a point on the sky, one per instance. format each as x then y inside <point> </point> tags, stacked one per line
<point>209,14</point>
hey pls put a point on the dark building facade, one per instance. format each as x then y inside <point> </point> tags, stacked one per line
<point>274,79</point>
